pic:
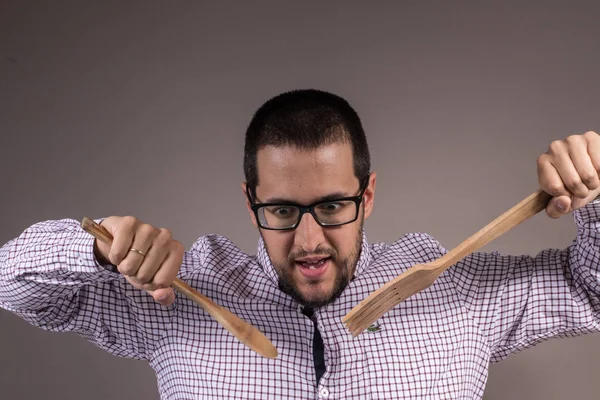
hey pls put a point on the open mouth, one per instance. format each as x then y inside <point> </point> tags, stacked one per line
<point>313,268</point>
<point>312,265</point>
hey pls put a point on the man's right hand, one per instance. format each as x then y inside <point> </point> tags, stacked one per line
<point>153,272</point>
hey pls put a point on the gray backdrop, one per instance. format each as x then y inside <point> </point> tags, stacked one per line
<point>116,108</point>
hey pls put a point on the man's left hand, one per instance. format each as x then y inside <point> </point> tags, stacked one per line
<point>569,172</point>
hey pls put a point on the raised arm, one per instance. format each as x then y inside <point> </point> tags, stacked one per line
<point>56,277</point>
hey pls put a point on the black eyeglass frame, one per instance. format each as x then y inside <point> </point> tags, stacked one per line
<point>309,208</point>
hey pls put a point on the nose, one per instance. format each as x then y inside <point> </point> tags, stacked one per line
<point>308,234</point>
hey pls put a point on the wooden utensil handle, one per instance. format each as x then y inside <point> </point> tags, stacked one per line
<point>527,208</point>
<point>97,230</point>
<point>100,233</point>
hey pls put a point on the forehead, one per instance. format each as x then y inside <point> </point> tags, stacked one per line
<point>288,172</point>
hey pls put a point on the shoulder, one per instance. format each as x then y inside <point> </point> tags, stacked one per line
<point>215,252</point>
<point>214,243</point>
<point>416,246</point>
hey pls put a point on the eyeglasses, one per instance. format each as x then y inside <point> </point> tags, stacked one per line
<point>287,216</point>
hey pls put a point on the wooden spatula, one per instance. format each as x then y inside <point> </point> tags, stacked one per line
<point>421,276</point>
<point>241,329</point>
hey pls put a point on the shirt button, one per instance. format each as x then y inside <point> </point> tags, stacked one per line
<point>324,393</point>
<point>80,260</point>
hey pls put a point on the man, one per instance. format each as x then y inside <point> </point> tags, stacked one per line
<point>309,189</point>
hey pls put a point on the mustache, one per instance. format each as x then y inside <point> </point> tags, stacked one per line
<point>318,252</point>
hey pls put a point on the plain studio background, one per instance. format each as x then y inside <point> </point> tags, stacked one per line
<point>139,108</point>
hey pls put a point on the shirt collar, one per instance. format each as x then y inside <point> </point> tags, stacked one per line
<point>265,262</point>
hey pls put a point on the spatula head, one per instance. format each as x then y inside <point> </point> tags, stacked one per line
<point>410,282</point>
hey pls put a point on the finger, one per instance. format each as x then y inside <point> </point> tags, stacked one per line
<point>151,263</point>
<point>169,269</point>
<point>558,206</point>
<point>164,296</point>
<point>593,149</point>
<point>160,247</point>
<point>551,182</point>
<point>123,233</point>
<point>578,151</point>
<point>549,178</point>
<point>134,282</point>
<point>133,260</point>
<point>577,203</point>
<point>569,175</point>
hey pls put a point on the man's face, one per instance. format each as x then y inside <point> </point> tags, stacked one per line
<point>314,263</point>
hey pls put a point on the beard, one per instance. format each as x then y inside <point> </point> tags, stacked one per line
<point>345,268</point>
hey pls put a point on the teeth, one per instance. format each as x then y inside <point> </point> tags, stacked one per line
<point>312,264</point>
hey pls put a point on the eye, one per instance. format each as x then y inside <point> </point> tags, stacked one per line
<point>330,208</point>
<point>282,211</point>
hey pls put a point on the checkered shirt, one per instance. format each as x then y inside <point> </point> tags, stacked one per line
<point>435,345</point>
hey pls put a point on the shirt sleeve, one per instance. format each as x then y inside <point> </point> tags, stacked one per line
<point>49,277</point>
<point>519,301</point>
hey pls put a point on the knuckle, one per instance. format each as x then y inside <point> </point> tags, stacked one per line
<point>572,184</point>
<point>590,135</point>
<point>161,282</point>
<point>160,245</point>
<point>592,184</point>
<point>589,179</point>
<point>163,238</point>
<point>573,139</point>
<point>129,221</point>
<point>576,186</point>
<point>177,247</point>
<point>147,230</point>
<point>117,255</point>
<point>145,277</point>
<point>555,188</point>
<point>556,146</point>
<point>541,160</point>
<point>165,232</point>
<point>127,268</point>
<point>161,242</point>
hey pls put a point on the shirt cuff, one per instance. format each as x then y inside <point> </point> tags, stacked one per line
<point>81,257</point>
<point>589,215</point>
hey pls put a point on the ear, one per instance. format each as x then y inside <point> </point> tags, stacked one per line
<point>248,207</point>
<point>369,195</point>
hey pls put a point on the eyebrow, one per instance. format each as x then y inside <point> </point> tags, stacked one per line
<point>329,197</point>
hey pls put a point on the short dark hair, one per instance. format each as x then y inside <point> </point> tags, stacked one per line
<point>307,119</point>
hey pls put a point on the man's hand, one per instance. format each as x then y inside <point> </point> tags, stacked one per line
<point>156,270</point>
<point>569,172</point>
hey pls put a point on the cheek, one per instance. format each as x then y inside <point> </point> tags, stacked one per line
<point>279,244</point>
<point>343,241</point>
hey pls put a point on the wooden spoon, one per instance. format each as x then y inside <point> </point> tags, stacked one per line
<point>421,276</point>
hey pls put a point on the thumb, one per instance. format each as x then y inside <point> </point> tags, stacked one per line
<point>558,206</point>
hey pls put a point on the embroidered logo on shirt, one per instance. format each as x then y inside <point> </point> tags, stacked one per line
<point>376,327</point>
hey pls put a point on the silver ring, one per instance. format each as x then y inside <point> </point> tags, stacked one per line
<point>141,253</point>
